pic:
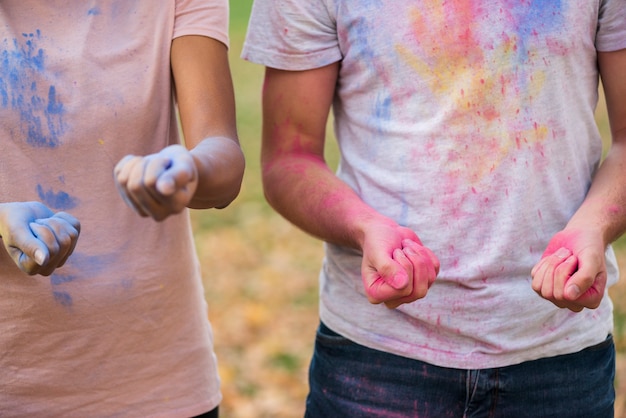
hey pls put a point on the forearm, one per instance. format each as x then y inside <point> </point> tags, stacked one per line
<point>220,163</point>
<point>306,192</point>
<point>205,98</point>
<point>604,208</point>
<point>395,268</point>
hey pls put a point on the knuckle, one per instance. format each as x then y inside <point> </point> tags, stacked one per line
<point>46,273</point>
<point>159,217</point>
<point>134,186</point>
<point>28,267</point>
<point>65,240</point>
<point>73,233</point>
<point>54,248</point>
<point>420,293</point>
<point>372,297</point>
<point>374,301</point>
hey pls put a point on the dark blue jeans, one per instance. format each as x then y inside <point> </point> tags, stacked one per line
<point>349,380</point>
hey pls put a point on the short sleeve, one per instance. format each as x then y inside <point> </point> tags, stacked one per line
<point>292,34</point>
<point>611,35</point>
<point>202,17</point>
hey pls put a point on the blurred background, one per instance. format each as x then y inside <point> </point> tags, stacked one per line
<point>260,276</point>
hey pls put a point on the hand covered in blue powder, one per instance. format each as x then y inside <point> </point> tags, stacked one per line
<point>158,185</point>
<point>37,239</point>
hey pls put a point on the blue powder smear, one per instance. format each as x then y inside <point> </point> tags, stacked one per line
<point>60,200</point>
<point>22,71</point>
<point>63,298</point>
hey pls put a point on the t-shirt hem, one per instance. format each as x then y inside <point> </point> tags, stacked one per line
<point>218,36</point>
<point>616,43</point>
<point>289,62</point>
<point>448,359</point>
<point>192,411</point>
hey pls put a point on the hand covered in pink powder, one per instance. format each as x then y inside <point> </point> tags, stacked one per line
<point>396,267</point>
<point>572,271</point>
<point>158,185</point>
<point>37,239</point>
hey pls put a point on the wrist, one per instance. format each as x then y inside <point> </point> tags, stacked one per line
<point>368,223</point>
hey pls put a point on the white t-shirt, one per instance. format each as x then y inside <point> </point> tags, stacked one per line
<point>473,124</point>
<point>121,329</point>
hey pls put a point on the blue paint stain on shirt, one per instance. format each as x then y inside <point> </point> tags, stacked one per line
<point>127,283</point>
<point>382,112</point>
<point>59,200</point>
<point>94,11</point>
<point>63,298</point>
<point>24,89</point>
<point>54,106</point>
<point>57,279</point>
<point>536,16</point>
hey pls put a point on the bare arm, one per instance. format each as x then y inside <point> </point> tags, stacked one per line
<point>206,102</point>
<point>208,173</point>
<point>572,273</point>
<point>299,185</point>
<point>296,179</point>
<point>605,205</point>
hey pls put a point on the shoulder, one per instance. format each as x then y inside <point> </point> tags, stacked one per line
<point>292,34</point>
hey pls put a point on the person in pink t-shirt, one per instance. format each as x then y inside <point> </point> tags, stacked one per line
<point>102,309</point>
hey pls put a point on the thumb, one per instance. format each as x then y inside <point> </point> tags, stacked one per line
<point>381,285</point>
<point>393,274</point>
<point>582,282</point>
<point>27,251</point>
<point>34,248</point>
<point>176,176</point>
<point>166,180</point>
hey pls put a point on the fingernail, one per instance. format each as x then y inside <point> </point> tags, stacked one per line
<point>573,292</point>
<point>563,253</point>
<point>39,257</point>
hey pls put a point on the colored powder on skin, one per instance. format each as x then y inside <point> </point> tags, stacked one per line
<point>613,209</point>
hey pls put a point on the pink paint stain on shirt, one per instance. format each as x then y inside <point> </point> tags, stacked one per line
<point>478,74</point>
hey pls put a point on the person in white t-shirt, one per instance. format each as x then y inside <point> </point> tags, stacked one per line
<point>102,309</point>
<point>468,226</point>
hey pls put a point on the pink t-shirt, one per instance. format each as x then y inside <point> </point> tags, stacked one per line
<point>122,329</point>
<point>471,122</point>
